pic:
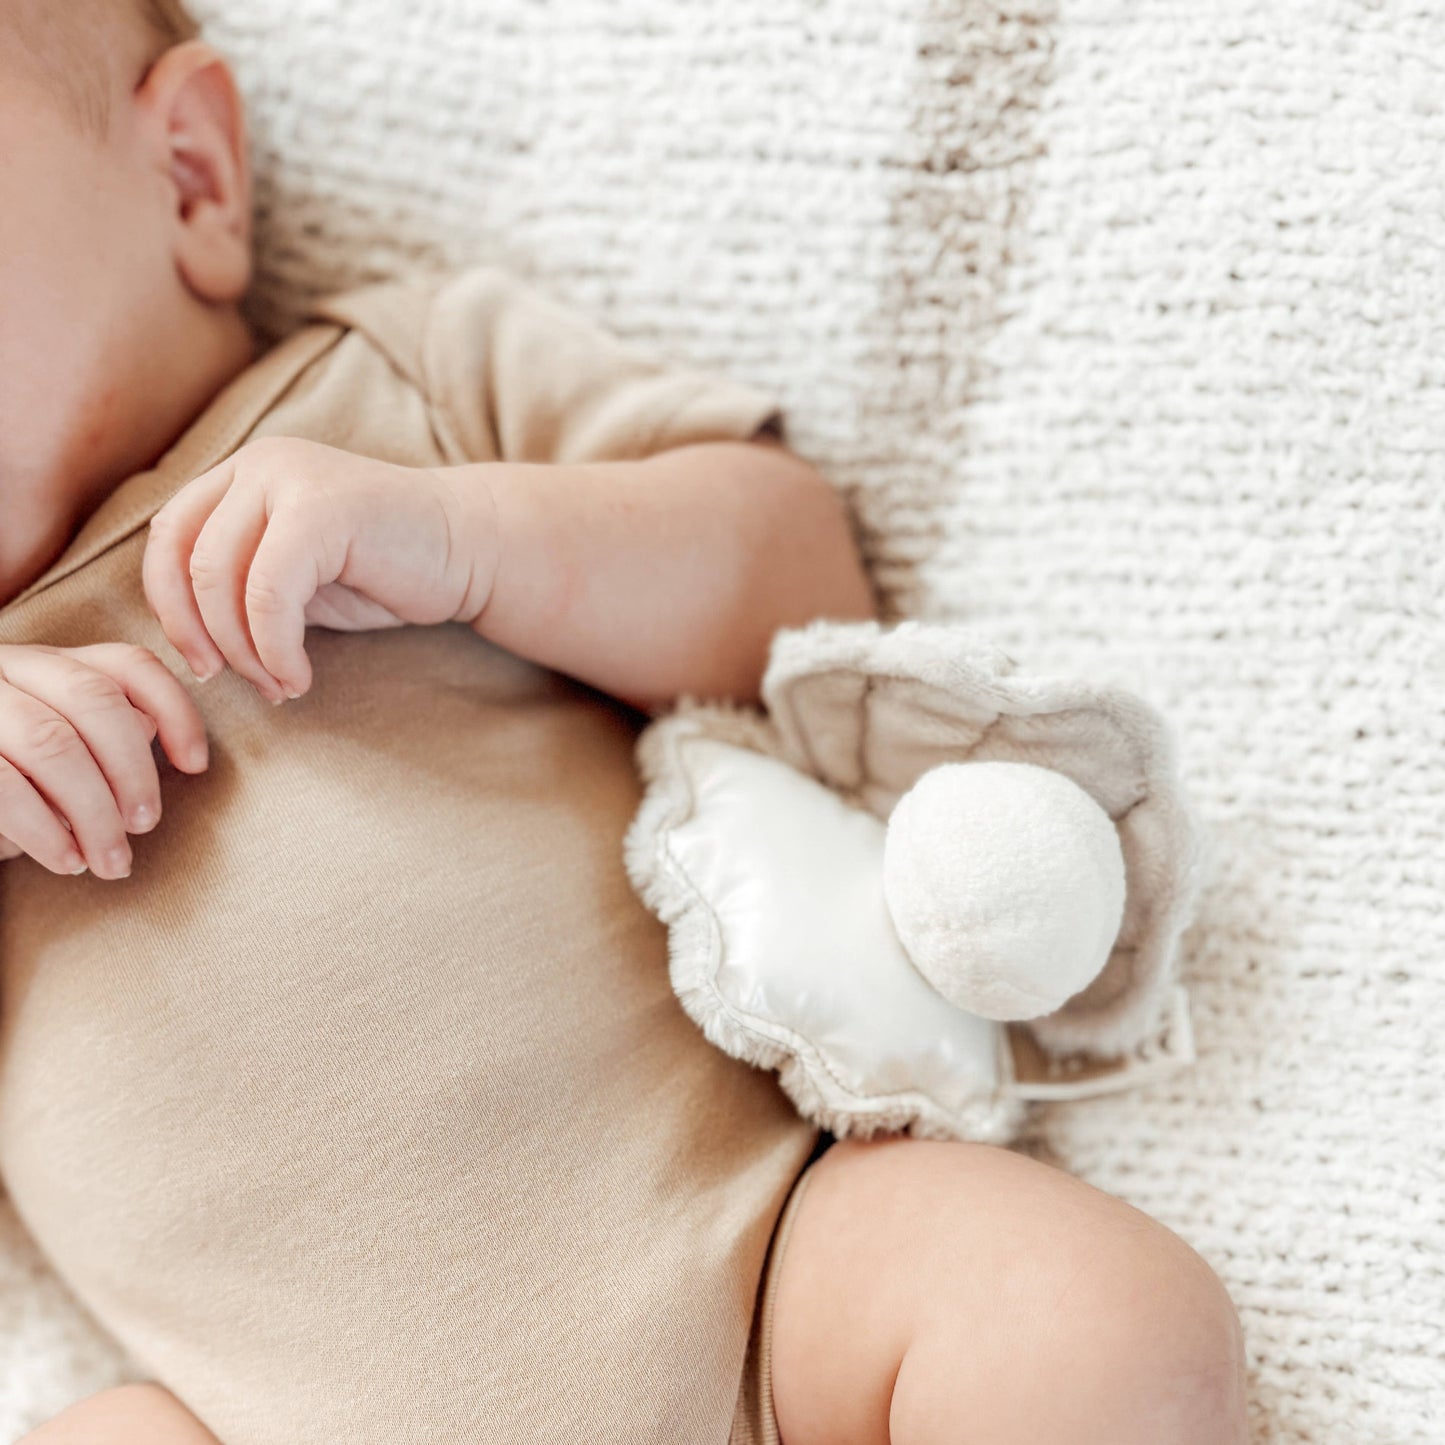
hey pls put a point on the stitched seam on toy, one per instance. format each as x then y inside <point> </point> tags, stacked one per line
<point>1138,802</point>
<point>798,732</point>
<point>688,806</point>
<point>865,732</point>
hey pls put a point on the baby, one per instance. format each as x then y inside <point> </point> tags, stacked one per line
<point>352,1095</point>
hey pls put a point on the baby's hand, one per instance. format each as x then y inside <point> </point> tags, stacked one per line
<point>76,769</point>
<point>289,532</point>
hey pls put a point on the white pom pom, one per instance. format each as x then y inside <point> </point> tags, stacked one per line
<point>1006,886</point>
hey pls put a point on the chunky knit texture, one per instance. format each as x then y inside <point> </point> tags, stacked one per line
<point>1121,323</point>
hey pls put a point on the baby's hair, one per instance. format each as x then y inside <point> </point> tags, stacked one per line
<point>72,46</point>
<point>169,21</point>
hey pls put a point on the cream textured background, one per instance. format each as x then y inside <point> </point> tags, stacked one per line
<point>1123,323</point>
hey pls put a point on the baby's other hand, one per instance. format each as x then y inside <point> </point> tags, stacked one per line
<point>77,773</point>
<point>289,532</point>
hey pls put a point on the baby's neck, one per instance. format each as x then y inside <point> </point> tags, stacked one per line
<point>42,522</point>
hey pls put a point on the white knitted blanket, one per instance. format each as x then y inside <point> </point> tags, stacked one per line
<point>1123,324</point>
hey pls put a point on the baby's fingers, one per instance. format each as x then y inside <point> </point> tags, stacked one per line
<point>221,567</point>
<point>40,744</point>
<point>151,689</point>
<point>32,828</point>
<point>285,575</point>
<point>75,735</point>
<point>166,571</point>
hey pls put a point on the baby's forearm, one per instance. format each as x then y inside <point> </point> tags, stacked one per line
<point>664,577</point>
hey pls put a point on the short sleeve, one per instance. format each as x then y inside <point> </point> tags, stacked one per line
<point>513,376</point>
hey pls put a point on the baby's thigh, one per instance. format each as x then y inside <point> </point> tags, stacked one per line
<point>936,1293</point>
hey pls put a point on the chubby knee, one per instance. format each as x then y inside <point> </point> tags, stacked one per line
<point>940,1293</point>
<point>1106,1329</point>
<point>1182,1327</point>
<point>1140,1332</point>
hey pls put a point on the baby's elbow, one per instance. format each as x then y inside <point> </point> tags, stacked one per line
<point>816,551</point>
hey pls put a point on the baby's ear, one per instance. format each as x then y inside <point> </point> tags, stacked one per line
<point>197,130</point>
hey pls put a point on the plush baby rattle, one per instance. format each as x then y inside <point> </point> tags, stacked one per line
<point>923,887</point>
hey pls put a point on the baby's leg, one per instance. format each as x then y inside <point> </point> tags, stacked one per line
<point>960,1294</point>
<point>131,1415</point>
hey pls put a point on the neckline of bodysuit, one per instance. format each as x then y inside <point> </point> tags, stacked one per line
<point>220,429</point>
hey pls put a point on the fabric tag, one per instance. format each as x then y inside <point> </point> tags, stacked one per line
<point>1040,1076</point>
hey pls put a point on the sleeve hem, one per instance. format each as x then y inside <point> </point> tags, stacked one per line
<point>717,411</point>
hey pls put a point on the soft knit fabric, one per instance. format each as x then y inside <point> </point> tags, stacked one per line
<point>1121,323</point>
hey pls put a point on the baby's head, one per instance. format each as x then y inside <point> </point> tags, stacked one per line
<point>124,254</point>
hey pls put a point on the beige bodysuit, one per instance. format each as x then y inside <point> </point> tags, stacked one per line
<point>364,1109</point>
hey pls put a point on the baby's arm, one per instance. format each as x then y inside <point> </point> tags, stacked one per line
<point>77,773</point>
<point>668,576</point>
<point>647,579</point>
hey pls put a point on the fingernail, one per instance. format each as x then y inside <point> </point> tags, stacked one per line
<point>206,671</point>
<point>293,694</point>
<point>75,865</point>
<point>117,863</point>
<point>199,758</point>
<point>143,819</point>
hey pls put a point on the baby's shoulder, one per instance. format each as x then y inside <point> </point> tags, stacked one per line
<point>414,317</point>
